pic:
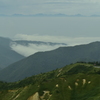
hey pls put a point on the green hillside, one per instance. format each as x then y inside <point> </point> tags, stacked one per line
<point>50,60</point>
<point>79,81</point>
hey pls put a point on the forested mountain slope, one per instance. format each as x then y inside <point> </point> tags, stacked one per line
<point>80,81</point>
<point>46,61</point>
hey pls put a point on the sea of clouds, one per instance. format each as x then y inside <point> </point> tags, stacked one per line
<point>30,49</point>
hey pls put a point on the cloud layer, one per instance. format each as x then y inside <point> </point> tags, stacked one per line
<point>33,48</point>
<point>58,39</point>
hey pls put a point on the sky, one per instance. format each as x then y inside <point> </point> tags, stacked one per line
<point>69,27</point>
<point>50,26</point>
<point>84,7</point>
<point>69,30</point>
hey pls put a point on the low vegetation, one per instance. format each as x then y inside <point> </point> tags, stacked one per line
<point>79,81</point>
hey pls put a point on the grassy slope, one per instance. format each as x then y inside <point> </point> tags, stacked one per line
<point>74,82</point>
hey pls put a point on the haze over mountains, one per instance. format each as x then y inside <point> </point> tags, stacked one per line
<point>26,48</point>
<point>7,55</point>
<point>42,15</point>
<point>49,15</point>
<point>11,51</point>
<point>46,61</point>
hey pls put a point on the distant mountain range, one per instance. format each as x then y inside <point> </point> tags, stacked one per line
<point>26,43</point>
<point>47,15</point>
<point>46,61</point>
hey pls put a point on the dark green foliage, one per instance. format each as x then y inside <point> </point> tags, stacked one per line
<point>80,69</point>
<point>78,81</point>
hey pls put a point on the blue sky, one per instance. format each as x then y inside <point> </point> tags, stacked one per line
<point>70,7</point>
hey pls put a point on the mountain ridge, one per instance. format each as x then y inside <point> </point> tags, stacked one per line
<point>46,61</point>
<point>43,15</point>
<point>9,53</point>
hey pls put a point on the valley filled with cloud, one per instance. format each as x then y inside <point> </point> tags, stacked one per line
<point>57,41</point>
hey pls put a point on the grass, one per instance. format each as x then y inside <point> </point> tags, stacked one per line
<point>69,76</point>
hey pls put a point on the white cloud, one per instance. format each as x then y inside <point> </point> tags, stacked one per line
<point>32,48</point>
<point>57,39</point>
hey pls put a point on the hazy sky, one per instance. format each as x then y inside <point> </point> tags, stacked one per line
<point>61,29</point>
<point>85,7</point>
<point>56,26</point>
